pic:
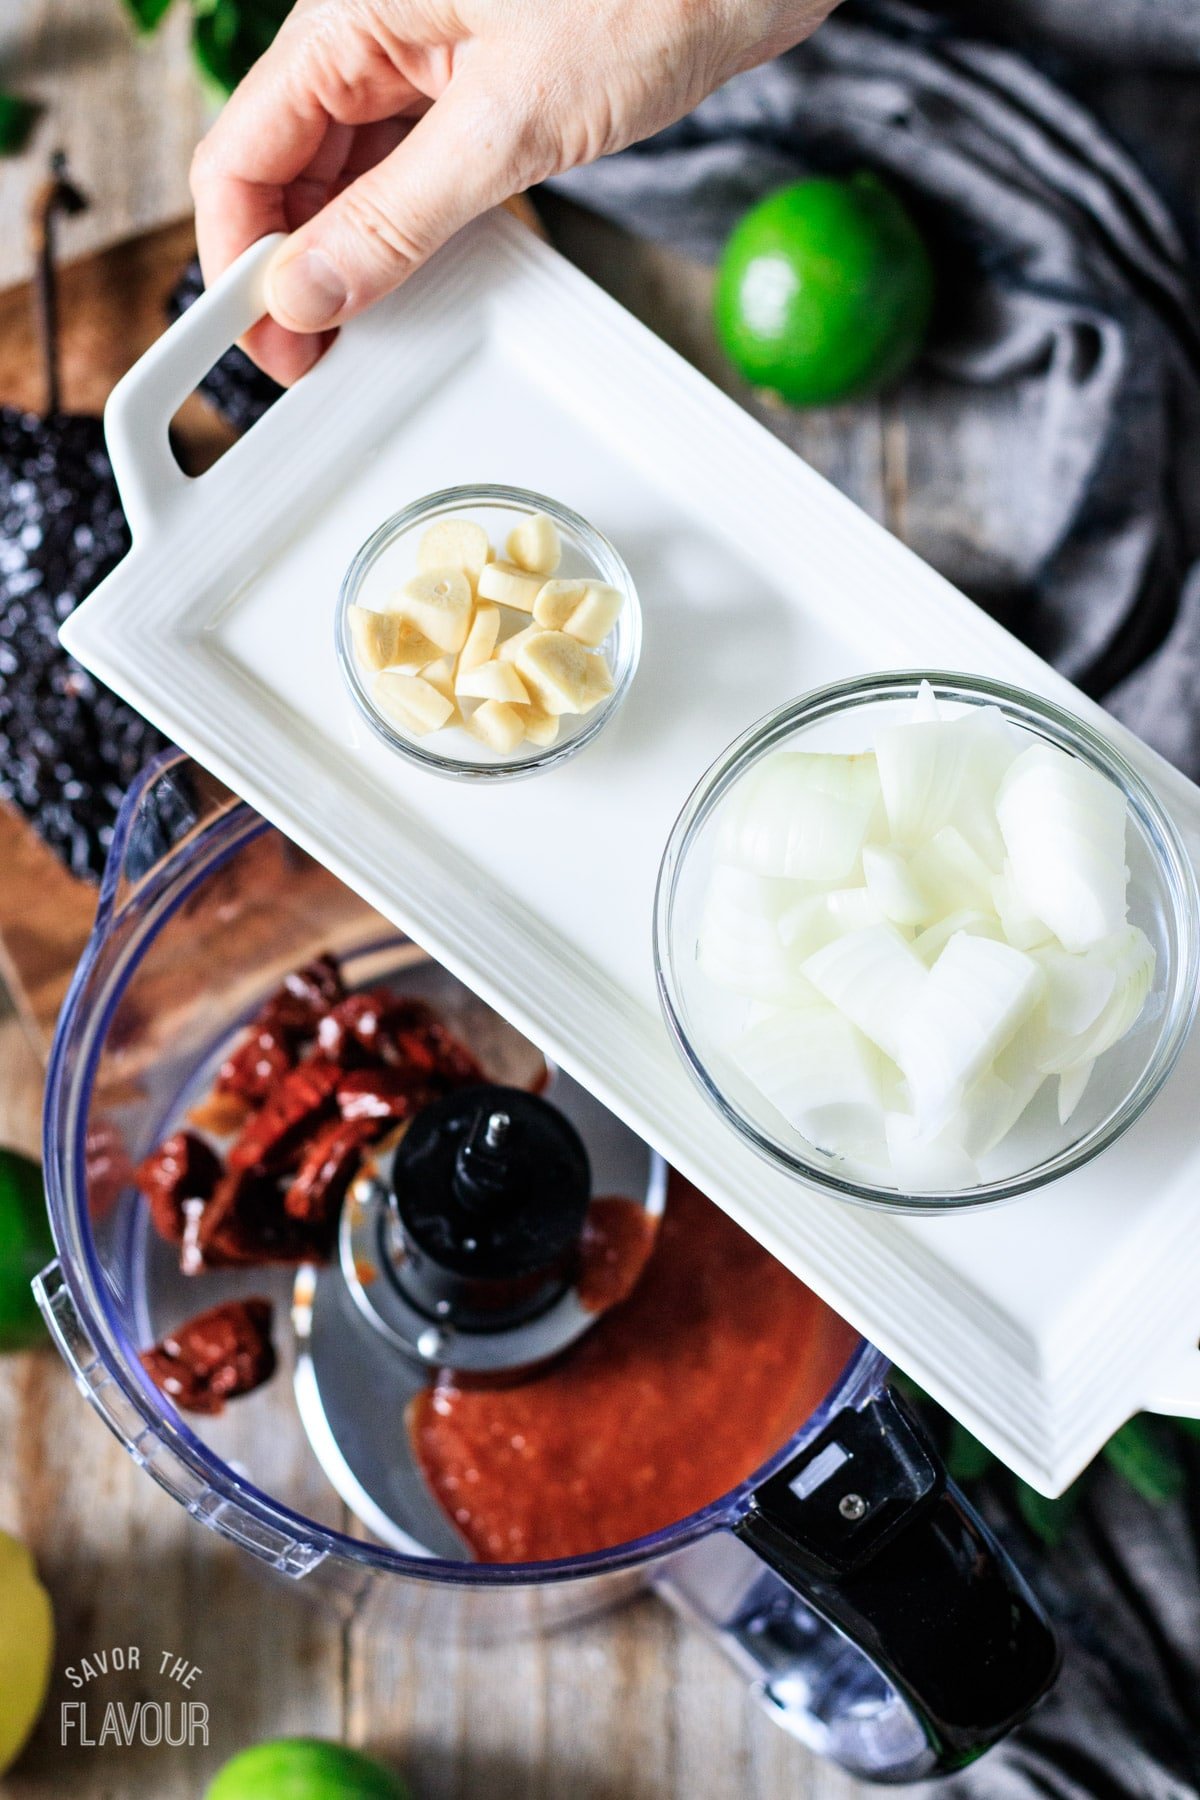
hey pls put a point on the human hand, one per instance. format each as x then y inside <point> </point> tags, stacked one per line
<point>373,129</point>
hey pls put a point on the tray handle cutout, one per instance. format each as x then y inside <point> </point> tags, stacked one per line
<point>146,399</point>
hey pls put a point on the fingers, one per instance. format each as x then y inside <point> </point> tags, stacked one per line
<point>344,155</point>
<point>307,193</point>
<point>459,159</point>
<point>284,355</point>
<point>269,132</point>
<point>242,194</point>
<point>272,160</point>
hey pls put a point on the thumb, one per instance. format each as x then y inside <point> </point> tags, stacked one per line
<point>461,158</point>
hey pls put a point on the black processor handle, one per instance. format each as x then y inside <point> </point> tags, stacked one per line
<point>866,1527</point>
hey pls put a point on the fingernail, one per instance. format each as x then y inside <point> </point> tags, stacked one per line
<point>306,292</point>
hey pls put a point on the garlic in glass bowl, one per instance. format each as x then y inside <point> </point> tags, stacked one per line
<point>487,632</point>
<point>926,942</point>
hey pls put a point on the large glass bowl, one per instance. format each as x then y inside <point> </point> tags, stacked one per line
<point>704,1019</point>
<point>389,557</point>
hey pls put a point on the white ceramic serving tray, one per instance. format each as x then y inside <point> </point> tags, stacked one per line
<point>1042,1324</point>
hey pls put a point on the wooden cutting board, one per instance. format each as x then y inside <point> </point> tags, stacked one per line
<point>112,305</point>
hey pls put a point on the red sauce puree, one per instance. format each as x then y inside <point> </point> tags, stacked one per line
<point>671,1398</point>
<point>618,1236</point>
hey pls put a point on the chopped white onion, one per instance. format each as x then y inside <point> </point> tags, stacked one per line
<point>1071,1084</point>
<point>1063,826</point>
<point>739,943</point>
<point>1017,1067</point>
<point>874,978</point>
<point>808,924</point>
<point>926,707</point>
<point>1130,956</point>
<point>930,943</point>
<point>946,772</point>
<point>951,874</point>
<point>922,936</point>
<point>799,814</point>
<point>974,997</point>
<point>1023,929</point>
<point>1078,988</point>
<point>990,1108</point>
<point>821,1074</point>
<point>893,887</point>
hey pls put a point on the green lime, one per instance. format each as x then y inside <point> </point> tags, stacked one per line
<point>305,1769</point>
<point>25,1248</point>
<point>824,290</point>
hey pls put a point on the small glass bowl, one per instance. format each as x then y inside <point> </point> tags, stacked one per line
<point>389,558</point>
<point>1163,900</point>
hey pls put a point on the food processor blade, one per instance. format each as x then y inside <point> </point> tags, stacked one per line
<point>364,1352</point>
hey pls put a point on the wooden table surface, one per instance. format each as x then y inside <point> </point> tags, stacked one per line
<point>630,1707</point>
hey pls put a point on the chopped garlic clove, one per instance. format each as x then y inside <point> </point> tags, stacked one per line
<point>596,614</point>
<point>535,545</point>
<point>455,544</point>
<point>562,676</point>
<point>509,586</point>
<point>387,640</point>
<point>557,602</point>
<point>438,602</point>
<point>411,703</point>
<point>511,648</point>
<point>498,725</point>
<point>440,675</point>
<point>481,638</point>
<point>541,727</point>
<point>493,681</point>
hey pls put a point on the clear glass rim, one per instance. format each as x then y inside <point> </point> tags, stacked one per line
<point>1050,721</point>
<point>100,979</point>
<point>607,560</point>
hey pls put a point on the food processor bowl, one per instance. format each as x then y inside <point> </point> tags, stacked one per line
<point>704,1020</point>
<point>870,1610</point>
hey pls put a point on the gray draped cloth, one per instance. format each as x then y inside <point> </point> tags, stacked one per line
<point>1067,341</point>
<point>1066,362</point>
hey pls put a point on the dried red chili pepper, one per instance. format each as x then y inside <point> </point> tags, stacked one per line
<point>245,1223</point>
<point>382,1094</point>
<point>330,1164</point>
<point>305,997</point>
<point>378,1059</point>
<point>281,1029</point>
<point>254,1066</point>
<point>428,1048</point>
<point>181,1169</point>
<point>214,1357</point>
<point>317,986</point>
<point>300,1100</point>
<point>455,1063</point>
<point>377,1020</point>
<point>350,1031</point>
